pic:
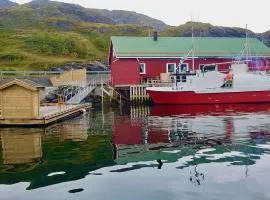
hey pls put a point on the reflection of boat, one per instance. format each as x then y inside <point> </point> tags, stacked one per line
<point>210,88</point>
<point>235,121</point>
<point>208,109</point>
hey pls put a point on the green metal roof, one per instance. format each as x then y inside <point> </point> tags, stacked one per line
<point>133,47</point>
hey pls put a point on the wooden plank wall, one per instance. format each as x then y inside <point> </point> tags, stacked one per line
<point>73,77</point>
<point>19,103</point>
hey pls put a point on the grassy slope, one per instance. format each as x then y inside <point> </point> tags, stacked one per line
<point>14,53</point>
<point>62,39</point>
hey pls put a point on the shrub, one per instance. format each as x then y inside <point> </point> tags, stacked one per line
<point>56,44</point>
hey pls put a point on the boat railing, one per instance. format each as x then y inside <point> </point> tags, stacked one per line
<point>154,82</point>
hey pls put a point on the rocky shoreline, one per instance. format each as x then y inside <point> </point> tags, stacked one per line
<point>92,66</point>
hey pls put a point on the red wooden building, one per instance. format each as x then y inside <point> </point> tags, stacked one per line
<point>134,60</point>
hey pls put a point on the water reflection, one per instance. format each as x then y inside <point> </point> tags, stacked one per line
<point>59,153</point>
<point>196,134</point>
<point>21,148</point>
<point>112,143</point>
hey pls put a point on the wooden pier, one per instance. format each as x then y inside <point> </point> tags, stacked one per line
<point>48,115</point>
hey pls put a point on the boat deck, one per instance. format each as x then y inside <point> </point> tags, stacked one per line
<point>48,115</point>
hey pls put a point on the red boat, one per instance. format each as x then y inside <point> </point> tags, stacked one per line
<point>210,88</point>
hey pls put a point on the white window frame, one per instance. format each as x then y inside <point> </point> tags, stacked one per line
<point>144,67</point>
<point>167,67</point>
<point>187,66</point>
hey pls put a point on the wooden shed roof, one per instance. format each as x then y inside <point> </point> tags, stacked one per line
<point>25,83</point>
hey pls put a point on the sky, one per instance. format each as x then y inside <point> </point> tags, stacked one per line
<point>233,13</point>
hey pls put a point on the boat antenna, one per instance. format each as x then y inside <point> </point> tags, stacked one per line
<point>193,45</point>
<point>244,50</point>
<point>247,45</point>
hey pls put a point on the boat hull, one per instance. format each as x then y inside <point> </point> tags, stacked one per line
<point>191,97</point>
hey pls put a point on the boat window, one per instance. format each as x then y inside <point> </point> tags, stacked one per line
<point>142,68</point>
<point>171,67</point>
<point>184,67</point>
<point>181,78</point>
<point>207,68</point>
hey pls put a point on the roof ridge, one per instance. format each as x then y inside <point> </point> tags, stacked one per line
<point>31,82</point>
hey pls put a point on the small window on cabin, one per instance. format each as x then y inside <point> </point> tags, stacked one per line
<point>171,67</point>
<point>184,67</point>
<point>207,68</point>
<point>142,68</point>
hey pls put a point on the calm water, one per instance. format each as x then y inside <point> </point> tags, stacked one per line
<point>162,152</point>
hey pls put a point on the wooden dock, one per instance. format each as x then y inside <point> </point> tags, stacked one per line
<point>48,115</point>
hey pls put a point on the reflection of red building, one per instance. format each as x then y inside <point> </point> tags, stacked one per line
<point>129,133</point>
<point>157,136</point>
<point>125,132</point>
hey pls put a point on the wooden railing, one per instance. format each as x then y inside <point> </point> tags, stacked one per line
<point>157,82</point>
<point>138,93</point>
<point>43,73</point>
<point>112,93</point>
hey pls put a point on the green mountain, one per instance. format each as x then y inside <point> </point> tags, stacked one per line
<point>206,30</point>
<point>45,9</point>
<point>265,37</point>
<point>7,4</point>
<point>128,17</point>
<point>43,34</point>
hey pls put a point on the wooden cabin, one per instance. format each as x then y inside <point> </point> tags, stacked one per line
<point>19,99</point>
<point>136,60</point>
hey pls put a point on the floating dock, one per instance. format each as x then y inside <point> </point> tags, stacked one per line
<point>20,105</point>
<point>48,115</point>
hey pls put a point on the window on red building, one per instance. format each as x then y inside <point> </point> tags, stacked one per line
<point>171,67</point>
<point>142,68</point>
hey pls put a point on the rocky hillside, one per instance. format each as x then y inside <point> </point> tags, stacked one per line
<point>7,4</point>
<point>128,17</point>
<point>265,37</point>
<point>46,10</point>
<point>208,30</point>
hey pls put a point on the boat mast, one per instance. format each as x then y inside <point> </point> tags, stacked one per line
<point>193,47</point>
<point>190,51</point>
<point>245,50</point>
<point>247,46</point>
